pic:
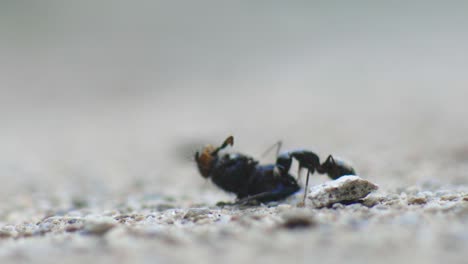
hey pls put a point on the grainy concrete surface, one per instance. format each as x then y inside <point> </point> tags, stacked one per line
<point>103,104</point>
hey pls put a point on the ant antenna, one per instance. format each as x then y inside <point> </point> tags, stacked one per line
<point>228,141</point>
<point>323,168</point>
<point>278,148</point>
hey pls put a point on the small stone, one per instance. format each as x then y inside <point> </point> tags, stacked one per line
<point>169,221</point>
<point>46,227</point>
<point>374,199</point>
<point>121,218</point>
<point>338,206</point>
<point>138,217</point>
<point>203,221</point>
<point>7,231</point>
<point>73,228</point>
<point>283,208</point>
<point>449,197</point>
<point>346,189</point>
<point>98,227</point>
<point>298,219</point>
<point>195,214</point>
<point>26,230</point>
<point>417,199</point>
<point>420,198</point>
<point>381,207</point>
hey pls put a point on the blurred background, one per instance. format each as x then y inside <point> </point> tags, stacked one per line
<point>110,97</point>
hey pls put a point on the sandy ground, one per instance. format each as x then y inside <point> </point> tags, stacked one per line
<point>121,186</point>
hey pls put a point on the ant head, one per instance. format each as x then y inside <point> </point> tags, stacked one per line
<point>208,156</point>
<point>336,167</point>
<point>205,160</point>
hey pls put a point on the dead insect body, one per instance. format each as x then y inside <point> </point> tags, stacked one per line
<point>244,176</point>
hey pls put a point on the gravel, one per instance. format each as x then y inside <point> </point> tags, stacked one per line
<point>398,225</point>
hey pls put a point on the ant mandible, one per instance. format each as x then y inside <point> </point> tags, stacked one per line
<point>250,181</point>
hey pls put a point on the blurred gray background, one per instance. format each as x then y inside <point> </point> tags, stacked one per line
<point>105,96</point>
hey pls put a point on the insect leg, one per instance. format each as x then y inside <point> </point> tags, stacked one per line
<point>278,146</point>
<point>306,187</point>
<point>269,196</point>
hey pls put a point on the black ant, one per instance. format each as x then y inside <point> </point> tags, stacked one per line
<point>242,175</point>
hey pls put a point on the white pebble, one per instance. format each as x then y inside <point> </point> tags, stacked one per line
<point>344,189</point>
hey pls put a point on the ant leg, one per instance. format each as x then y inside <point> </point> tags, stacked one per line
<point>278,146</point>
<point>269,196</point>
<point>306,186</point>
<point>251,198</point>
<point>278,149</point>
